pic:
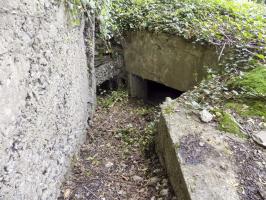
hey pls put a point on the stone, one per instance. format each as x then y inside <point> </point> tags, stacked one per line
<point>67,193</point>
<point>157,171</point>
<point>153,180</point>
<point>109,164</point>
<point>137,178</point>
<point>168,99</point>
<point>164,182</point>
<point>195,105</point>
<point>164,192</point>
<point>121,192</point>
<point>262,192</point>
<point>260,138</point>
<point>201,144</point>
<point>206,116</point>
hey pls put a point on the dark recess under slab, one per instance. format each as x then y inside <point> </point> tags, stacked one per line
<point>150,91</point>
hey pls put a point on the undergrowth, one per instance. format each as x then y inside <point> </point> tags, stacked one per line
<point>144,139</point>
<point>109,100</point>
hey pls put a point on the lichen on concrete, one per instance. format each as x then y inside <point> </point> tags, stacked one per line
<point>194,151</point>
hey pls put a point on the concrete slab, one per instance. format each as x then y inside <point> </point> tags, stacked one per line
<point>167,59</point>
<point>197,157</point>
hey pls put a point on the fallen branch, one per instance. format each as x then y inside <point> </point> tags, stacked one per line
<point>221,53</point>
<point>88,190</point>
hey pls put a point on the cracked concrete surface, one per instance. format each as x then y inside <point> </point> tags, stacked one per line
<point>46,96</point>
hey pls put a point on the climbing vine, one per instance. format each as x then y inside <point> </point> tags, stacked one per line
<point>223,23</point>
<point>100,8</point>
<point>76,8</point>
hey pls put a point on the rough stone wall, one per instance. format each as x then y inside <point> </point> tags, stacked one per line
<point>109,62</point>
<point>46,96</point>
<point>110,68</point>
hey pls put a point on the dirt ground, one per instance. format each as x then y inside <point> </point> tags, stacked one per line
<point>118,160</point>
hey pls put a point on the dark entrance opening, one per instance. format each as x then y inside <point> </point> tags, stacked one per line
<point>110,85</point>
<point>107,86</point>
<point>156,92</point>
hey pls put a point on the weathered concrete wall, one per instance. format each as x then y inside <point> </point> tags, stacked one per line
<point>166,59</point>
<point>46,96</point>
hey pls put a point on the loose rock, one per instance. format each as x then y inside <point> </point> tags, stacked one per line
<point>206,116</point>
<point>260,138</point>
<point>137,178</point>
<point>109,164</point>
<point>164,192</point>
<point>67,193</point>
<point>153,180</point>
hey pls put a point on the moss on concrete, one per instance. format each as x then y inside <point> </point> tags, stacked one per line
<point>253,82</point>
<point>228,124</point>
<point>252,87</point>
<point>251,108</point>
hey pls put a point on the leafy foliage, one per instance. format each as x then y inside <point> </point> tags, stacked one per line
<point>237,28</point>
<point>110,100</point>
<point>212,20</point>
<point>75,8</point>
<point>224,23</point>
<point>219,22</point>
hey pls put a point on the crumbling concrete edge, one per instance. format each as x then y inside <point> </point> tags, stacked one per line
<point>196,156</point>
<point>167,152</point>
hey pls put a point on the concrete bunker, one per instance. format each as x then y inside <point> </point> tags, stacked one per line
<point>171,65</point>
<point>165,59</point>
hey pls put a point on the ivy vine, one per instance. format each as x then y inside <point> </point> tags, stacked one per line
<point>223,23</point>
